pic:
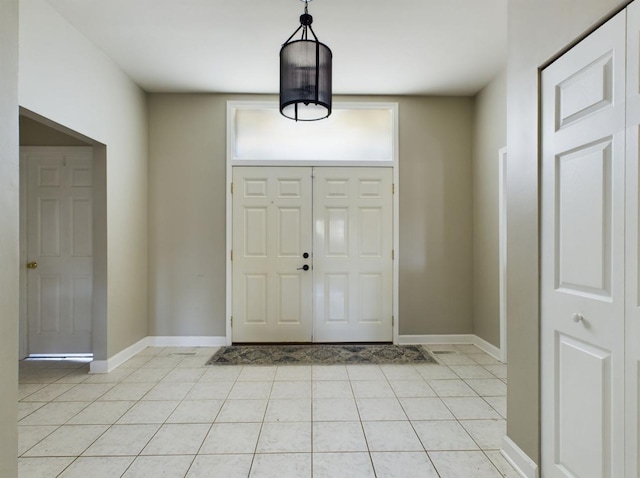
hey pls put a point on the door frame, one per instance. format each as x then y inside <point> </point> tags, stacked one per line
<point>232,106</point>
<point>502,248</point>
<point>99,291</point>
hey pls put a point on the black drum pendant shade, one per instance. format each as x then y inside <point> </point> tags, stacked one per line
<point>305,75</point>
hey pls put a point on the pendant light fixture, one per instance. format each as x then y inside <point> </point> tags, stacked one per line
<point>305,74</point>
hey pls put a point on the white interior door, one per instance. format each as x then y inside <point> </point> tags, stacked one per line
<point>59,249</point>
<point>582,250</point>
<point>353,265</point>
<point>271,234</point>
<point>632,310</point>
<point>340,225</point>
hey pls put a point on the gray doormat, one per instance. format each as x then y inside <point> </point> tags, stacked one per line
<point>321,354</point>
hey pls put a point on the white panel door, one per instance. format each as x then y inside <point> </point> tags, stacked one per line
<point>59,249</point>
<point>582,254</point>
<point>353,241</point>
<point>632,310</point>
<point>271,234</point>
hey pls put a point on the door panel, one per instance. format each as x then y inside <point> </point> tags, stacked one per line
<point>271,231</point>
<point>582,247</point>
<point>60,241</point>
<point>353,269</point>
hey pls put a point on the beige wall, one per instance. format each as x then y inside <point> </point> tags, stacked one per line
<point>187,195</point>
<point>87,93</point>
<point>33,133</point>
<point>9,196</point>
<point>538,31</point>
<point>489,136</point>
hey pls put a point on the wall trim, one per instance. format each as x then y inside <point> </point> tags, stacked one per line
<point>517,458</point>
<point>109,365</point>
<point>456,339</point>
<point>185,341</point>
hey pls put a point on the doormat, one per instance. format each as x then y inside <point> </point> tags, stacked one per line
<point>321,354</point>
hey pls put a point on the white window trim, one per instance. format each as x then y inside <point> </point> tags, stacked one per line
<point>231,162</point>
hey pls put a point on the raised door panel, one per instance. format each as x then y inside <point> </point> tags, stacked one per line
<point>582,258</point>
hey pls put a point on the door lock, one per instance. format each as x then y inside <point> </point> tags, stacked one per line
<point>303,268</point>
<point>305,255</point>
<point>32,265</point>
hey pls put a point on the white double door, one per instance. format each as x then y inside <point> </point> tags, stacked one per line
<point>590,319</point>
<point>312,254</point>
<point>59,248</point>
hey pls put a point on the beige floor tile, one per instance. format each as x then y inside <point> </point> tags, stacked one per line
<point>329,372</point>
<point>257,374</point>
<point>435,372</point>
<point>286,373</point>
<point>425,409</point>
<point>372,389</point>
<point>335,409</point>
<point>29,436</point>
<point>68,440</point>
<point>184,375</point>
<point>250,391</point>
<point>471,371</point>
<point>196,411</point>
<point>289,410</point>
<point>54,413</point>
<point>331,389</point>
<point>49,392</point>
<point>331,465</point>
<point>338,437</point>
<point>227,373</point>
<point>443,435</point>
<point>210,391</point>
<point>291,389</point>
<point>227,466</point>
<point>147,375</point>
<point>452,388</point>
<point>391,436</point>
<point>122,440</point>
<point>27,408</point>
<point>365,372</point>
<point>411,388</point>
<point>292,437</point>
<point>231,438</point>
<point>488,434</point>
<point>463,464</point>
<point>149,412</point>
<point>403,465</point>
<point>160,466</point>
<point>400,372</point>
<point>97,467</point>
<point>242,411</point>
<point>373,409</point>
<point>42,467</point>
<point>177,440</point>
<point>281,465</point>
<point>470,408</point>
<point>168,391</point>
<point>127,391</point>
<point>101,413</point>
<point>491,387</point>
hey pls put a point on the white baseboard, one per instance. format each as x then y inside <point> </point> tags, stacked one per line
<point>179,341</point>
<point>518,459</point>
<point>457,339</point>
<point>109,365</point>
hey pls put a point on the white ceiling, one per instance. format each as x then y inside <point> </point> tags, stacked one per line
<point>395,47</point>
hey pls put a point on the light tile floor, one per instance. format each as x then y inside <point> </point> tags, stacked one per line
<point>163,413</point>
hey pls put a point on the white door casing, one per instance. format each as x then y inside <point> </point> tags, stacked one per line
<point>353,244</point>
<point>271,233</point>
<point>632,262</point>
<point>59,241</point>
<point>346,295</point>
<point>582,258</point>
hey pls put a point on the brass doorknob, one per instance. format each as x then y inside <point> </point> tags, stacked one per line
<point>32,265</point>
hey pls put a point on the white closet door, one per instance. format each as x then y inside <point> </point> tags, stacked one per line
<point>271,234</point>
<point>632,310</point>
<point>582,251</point>
<point>353,267</point>
<point>59,249</point>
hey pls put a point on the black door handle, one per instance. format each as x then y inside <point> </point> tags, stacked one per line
<point>303,268</point>
<point>305,255</point>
